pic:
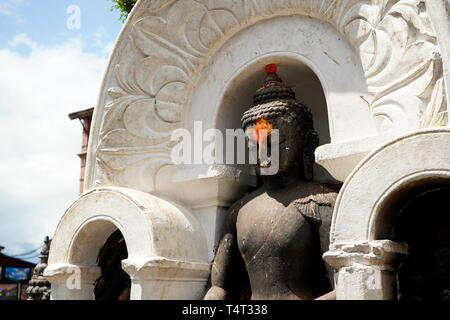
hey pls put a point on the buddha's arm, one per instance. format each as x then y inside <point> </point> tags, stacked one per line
<point>326,214</point>
<point>221,271</point>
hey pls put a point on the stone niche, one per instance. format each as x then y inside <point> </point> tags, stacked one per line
<point>375,75</point>
<point>376,212</point>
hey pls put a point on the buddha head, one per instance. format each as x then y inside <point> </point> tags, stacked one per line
<point>276,115</point>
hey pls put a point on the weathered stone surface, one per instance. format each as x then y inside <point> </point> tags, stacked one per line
<point>366,270</point>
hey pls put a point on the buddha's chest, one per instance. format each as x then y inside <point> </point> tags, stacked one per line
<point>267,228</point>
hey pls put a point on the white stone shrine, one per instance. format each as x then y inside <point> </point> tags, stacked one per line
<point>375,75</point>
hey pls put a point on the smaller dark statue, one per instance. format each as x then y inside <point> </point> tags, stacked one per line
<point>273,239</point>
<point>114,283</point>
<point>39,286</point>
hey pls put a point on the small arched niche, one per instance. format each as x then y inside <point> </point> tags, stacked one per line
<point>114,283</point>
<point>417,215</point>
<point>89,241</point>
<point>402,199</point>
<point>102,246</point>
<point>150,236</point>
<point>237,98</point>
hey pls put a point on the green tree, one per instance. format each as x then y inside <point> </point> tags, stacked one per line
<point>124,6</point>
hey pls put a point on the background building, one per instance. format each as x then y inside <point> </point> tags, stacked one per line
<point>85,118</point>
<point>14,276</point>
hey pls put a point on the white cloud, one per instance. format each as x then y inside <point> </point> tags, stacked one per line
<point>22,39</point>
<point>39,167</point>
<point>108,49</point>
<point>10,8</point>
<point>7,6</point>
<point>99,36</point>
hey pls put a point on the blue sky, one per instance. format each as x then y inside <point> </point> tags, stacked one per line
<point>45,21</point>
<point>47,70</point>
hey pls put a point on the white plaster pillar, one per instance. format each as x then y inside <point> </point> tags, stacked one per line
<point>366,270</point>
<point>158,278</point>
<point>211,218</point>
<point>72,282</point>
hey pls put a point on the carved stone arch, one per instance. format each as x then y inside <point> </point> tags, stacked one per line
<point>417,159</point>
<point>228,82</point>
<point>164,243</point>
<point>166,45</point>
<point>361,238</point>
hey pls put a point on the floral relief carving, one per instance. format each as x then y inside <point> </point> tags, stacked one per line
<point>167,47</point>
<point>401,61</point>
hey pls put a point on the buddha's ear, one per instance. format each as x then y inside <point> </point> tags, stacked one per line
<point>312,142</point>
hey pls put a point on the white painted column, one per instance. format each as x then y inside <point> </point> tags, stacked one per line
<point>72,282</point>
<point>366,270</point>
<point>164,279</point>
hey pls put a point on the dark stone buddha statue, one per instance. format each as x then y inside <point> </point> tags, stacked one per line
<point>272,240</point>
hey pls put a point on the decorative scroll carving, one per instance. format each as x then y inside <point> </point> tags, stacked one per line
<point>401,61</point>
<point>170,43</point>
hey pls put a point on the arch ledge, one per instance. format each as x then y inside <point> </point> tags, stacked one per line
<point>417,158</point>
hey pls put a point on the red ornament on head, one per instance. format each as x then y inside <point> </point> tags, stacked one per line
<point>271,68</point>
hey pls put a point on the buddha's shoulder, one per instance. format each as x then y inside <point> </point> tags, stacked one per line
<point>315,191</point>
<point>301,194</point>
<point>234,209</point>
<point>315,201</point>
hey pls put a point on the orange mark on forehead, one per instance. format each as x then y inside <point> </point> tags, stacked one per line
<point>262,129</point>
